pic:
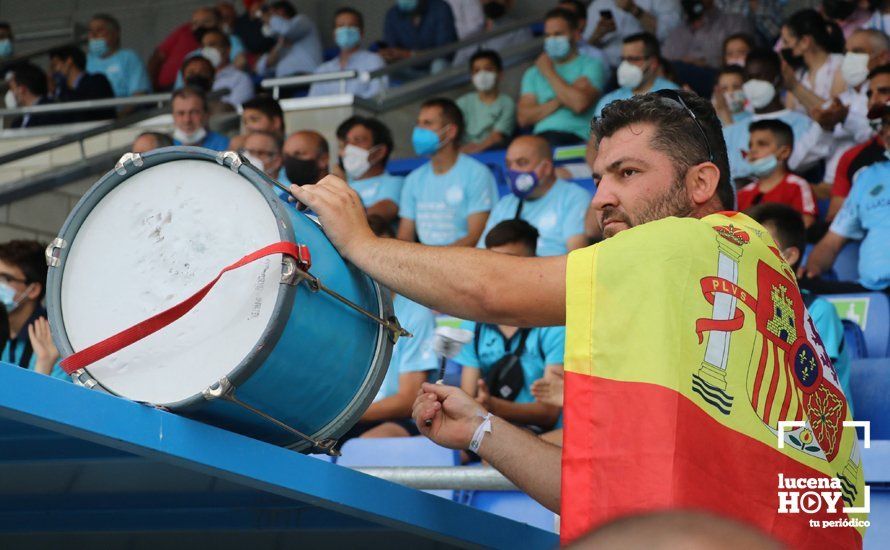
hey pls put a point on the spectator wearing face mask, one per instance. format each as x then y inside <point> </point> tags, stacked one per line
<point>559,91</point>
<point>609,22</point>
<point>762,89</point>
<point>122,67</point>
<point>22,287</point>
<point>811,60</point>
<point>768,152</point>
<point>728,97</point>
<point>579,8</point>
<point>446,201</point>
<point>553,206</point>
<point>198,72</point>
<point>489,114</point>
<point>349,26</point>
<point>639,71</point>
<point>227,18</point>
<point>697,40</point>
<point>260,114</point>
<point>217,48</point>
<point>190,117</point>
<point>736,48</point>
<point>167,58</point>
<point>73,83</point>
<point>844,122</point>
<point>298,47</point>
<point>365,147</point>
<point>306,159</point>
<point>263,150</point>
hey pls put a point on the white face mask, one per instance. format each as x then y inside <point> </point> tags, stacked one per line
<point>484,80</point>
<point>629,75</point>
<point>760,93</point>
<point>854,68</point>
<point>11,103</point>
<point>356,161</point>
<point>212,55</point>
<point>189,139</point>
<point>257,163</point>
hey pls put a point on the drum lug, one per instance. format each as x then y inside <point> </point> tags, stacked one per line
<point>81,378</point>
<point>53,258</point>
<point>235,161</point>
<point>134,158</point>
<point>218,390</point>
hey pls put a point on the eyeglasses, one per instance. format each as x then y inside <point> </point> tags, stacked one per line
<point>677,98</point>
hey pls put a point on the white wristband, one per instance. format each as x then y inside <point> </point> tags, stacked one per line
<point>480,432</point>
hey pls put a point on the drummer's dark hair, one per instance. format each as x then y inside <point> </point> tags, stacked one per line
<point>513,231</point>
<point>190,91</point>
<point>29,257</point>
<point>380,132</point>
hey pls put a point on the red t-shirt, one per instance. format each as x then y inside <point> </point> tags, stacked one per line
<point>855,159</point>
<point>175,47</point>
<point>793,191</point>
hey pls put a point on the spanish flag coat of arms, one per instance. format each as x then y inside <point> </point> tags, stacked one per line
<point>687,343</point>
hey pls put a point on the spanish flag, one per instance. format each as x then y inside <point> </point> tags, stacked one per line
<point>687,343</point>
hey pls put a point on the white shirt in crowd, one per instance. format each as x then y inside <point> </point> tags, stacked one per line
<point>666,12</point>
<point>361,61</point>
<point>468,17</point>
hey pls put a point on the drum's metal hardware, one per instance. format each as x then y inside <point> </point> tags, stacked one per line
<point>81,378</point>
<point>289,271</point>
<point>134,158</point>
<point>233,157</point>
<point>226,391</point>
<point>392,324</point>
<point>52,256</point>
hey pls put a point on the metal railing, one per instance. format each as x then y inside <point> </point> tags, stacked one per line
<point>90,104</point>
<point>77,33</point>
<point>291,81</point>
<point>455,478</point>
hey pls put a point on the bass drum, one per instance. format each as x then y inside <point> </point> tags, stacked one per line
<point>262,354</point>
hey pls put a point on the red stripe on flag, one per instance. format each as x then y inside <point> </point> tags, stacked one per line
<point>755,397</point>
<point>633,447</point>
<point>786,403</point>
<point>773,384</point>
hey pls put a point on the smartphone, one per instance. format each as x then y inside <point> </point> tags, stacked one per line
<point>606,14</point>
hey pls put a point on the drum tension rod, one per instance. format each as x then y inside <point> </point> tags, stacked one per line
<point>396,330</point>
<point>226,391</point>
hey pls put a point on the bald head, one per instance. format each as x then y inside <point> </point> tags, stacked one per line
<point>308,145</point>
<point>677,529</point>
<point>876,40</point>
<point>532,154</point>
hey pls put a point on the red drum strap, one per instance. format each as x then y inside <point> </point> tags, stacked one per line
<point>127,337</point>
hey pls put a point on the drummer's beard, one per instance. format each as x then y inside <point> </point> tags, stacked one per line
<point>673,202</point>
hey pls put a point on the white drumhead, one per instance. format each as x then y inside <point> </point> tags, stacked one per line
<point>153,241</point>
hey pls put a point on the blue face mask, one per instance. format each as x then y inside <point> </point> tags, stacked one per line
<point>407,5</point>
<point>557,47</point>
<point>5,47</point>
<point>347,37</point>
<point>522,183</point>
<point>764,166</point>
<point>425,141</point>
<point>98,46</point>
<point>7,297</point>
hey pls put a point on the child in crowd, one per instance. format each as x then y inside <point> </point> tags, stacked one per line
<point>489,114</point>
<point>769,148</point>
<point>786,227</point>
<point>728,97</point>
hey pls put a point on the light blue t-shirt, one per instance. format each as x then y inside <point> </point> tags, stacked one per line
<point>626,93</point>
<point>15,356</point>
<point>831,332</point>
<point>439,204</point>
<point>737,137</point>
<point>410,354</point>
<point>384,187</point>
<point>563,119</point>
<point>361,61</point>
<point>212,140</point>
<point>544,346</point>
<point>865,216</point>
<point>558,216</point>
<point>124,70</point>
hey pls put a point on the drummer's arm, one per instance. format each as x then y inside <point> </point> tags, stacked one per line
<point>399,405</point>
<point>465,282</point>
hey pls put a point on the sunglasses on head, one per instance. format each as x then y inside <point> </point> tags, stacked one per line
<point>674,96</point>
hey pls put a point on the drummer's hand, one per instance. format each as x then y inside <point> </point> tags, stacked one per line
<point>339,209</point>
<point>454,414</point>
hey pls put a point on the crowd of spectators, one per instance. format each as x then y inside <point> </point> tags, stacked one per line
<point>804,99</point>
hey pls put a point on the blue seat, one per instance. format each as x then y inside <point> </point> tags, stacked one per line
<point>871,311</point>
<point>515,505</point>
<point>876,464</point>
<point>846,265</point>
<point>398,451</point>
<point>854,340</point>
<point>870,386</point>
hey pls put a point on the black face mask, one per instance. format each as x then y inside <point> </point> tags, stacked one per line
<point>796,61</point>
<point>693,9</point>
<point>494,10</point>
<point>301,172</point>
<point>838,9</point>
<point>200,82</point>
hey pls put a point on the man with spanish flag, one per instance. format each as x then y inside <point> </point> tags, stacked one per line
<point>687,344</point>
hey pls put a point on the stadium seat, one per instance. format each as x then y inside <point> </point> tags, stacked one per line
<point>876,464</point>
<point>854,340</point>
<point>871,311</point>
<point>846,266</point>
<point>398,451</point>
<point>514,505</point>
<point>870,386</point>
